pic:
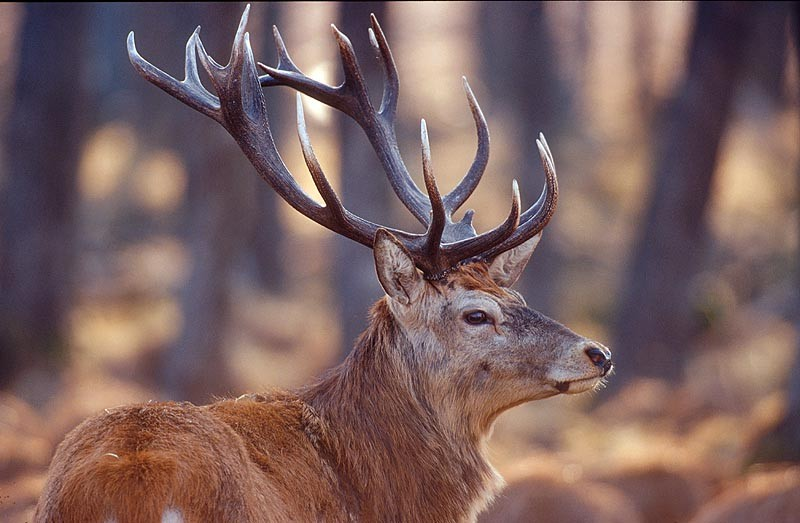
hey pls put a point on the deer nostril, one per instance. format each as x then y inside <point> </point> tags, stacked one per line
<point>599,357</point>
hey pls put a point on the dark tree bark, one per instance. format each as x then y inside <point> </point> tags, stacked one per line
<point>519,66</point>
<point>268,233</point>
<point>193,368</point>
<point>642,32</point>
<point>583,43</point>
<point>364,187</point>
<point>782,443</point>
<point>43,138</point>
<point>655,319</point>
<point>766,57</point>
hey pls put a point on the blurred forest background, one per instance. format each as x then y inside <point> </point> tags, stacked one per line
<point>141,257</point>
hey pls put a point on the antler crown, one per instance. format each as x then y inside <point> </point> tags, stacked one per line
<point>239,106</point>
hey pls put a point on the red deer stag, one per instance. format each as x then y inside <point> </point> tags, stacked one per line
<point>396,432</point>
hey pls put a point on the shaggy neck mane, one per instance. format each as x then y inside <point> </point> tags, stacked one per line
<point>382,436</point>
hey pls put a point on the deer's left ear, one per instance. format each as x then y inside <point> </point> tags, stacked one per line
<point>507,267</point>
<point>397,273</point>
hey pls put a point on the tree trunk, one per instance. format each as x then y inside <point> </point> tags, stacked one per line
<point>643,57</point>
<point>364,188</point>
<point>194,368</point>
<point>520,70</point>
<point>268,230</point>
<point>655,318</point>
<point>766,57</point>
<point>44,134</point>
<point>782,443</point>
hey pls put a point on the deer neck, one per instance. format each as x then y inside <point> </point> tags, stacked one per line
<point>393,452</point>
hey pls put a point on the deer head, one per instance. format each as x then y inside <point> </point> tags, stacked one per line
<point>475,344</point>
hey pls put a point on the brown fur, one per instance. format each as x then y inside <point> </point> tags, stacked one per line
<point>397,432</point>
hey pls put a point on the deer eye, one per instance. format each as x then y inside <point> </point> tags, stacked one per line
<point>477,318</point>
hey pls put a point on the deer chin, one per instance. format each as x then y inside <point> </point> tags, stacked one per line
<point>579,385</point>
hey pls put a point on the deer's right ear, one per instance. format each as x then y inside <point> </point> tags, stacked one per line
<point>508,266</point>
<point>397,273</point>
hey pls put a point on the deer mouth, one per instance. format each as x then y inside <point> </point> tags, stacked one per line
<point>578,386</point>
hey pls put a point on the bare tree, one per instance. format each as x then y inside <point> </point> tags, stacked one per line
<point>516,58</point>
<point>194,367</point>
<point>643,48</point>
<point>362,186</point>
<point>655,321</point>
<point>43,138</point>
<point>782,442</point>
<point>766,57</point>
<point>268,231</point>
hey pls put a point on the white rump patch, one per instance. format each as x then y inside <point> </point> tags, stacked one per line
<point>172,515</point>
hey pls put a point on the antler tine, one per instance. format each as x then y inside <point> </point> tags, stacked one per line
<point>475,247</point>
<point>547,151</point>
<point>288,74</point>
<point>456,198</point>
<point>539,214</point>
<point>190,90</point>
<point>438,214</point>
<point>285,62</point>
<point>320,180</point>
<point>236,61</point>
<point>239,73</point>
<point>342,221</point>
<point>353,79</point>
<point>391,85</point>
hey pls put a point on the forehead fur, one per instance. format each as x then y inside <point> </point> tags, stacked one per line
<point>475,277</point>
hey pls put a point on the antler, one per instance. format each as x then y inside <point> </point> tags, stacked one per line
<point>239,107</point>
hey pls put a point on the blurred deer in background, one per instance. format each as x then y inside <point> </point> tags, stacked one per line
<point>396,432</point>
